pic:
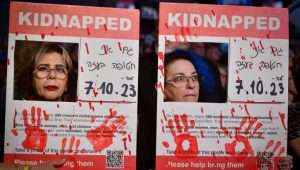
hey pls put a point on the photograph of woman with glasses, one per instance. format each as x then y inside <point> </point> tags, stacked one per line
<point>47,75</point>
<point>191,78</point>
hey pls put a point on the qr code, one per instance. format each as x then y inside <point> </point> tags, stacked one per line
<point>114,159</point>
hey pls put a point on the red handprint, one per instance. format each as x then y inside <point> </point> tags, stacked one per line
<point>186,144</point>
<point>242,138</point>
<point>102,137</point>
<point>71,144</point>
<point>265,158</point>
<point>36,138</point>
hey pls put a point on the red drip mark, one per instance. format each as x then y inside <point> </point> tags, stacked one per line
<point>87,48</point>
<point>43,35</point>
<point>202,133</point>
<point>282,118</point>
<point>232,110</point>
<point>93,119</point>
<point>218,141</point>
<point>52,33</point>
<point>26,38</point>
<point>244,38</point>
<point>46,115</point>
<point>36,138</point>
<point>202,110</point>
<point>165,144</point>
<point>91,106</point>
<point>261,45</point>
<point>63,145</point>
<point>164,115</point>
<point>213,12</point>
<point>243,57</point>
<point>88,31</point>
<point>161,69</point>
<point>105,27</point>
<point>14,131</point>
<point>57,105</point>
<point>8,61</point>
<point>241,50</point>
<point>270,115</point>
<point>163,129</point>
<point>260,69</point>
<point>56,27</point>
<point>186,144</point>
<point>196,21</point>
<point>7,144</point>
<point>161,56</point>
<point>17,33</point>
<point>81,69</point>
<point>100,102</point>
<point>71,144</point>
<point>80,104</point>
<point>247,111</point>
<point>95,92</point>
<point>129,137</point>
<point>120,47</point>
<point>124,143</point>
<point>259,78</point>
<point>277,145</point>
<point>282,150</point>
<point>12,47</point>
<point>268,35</point>
<point>102,136</point>
<point>269,144</point>
<point>166,25</point>
<point>225,130</point>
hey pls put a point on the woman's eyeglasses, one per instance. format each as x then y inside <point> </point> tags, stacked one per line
<point>44,70</point>
<point>181,80</point>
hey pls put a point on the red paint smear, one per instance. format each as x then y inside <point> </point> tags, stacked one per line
<point>232,110</point>
<point>247,112</point>
<point>244,38</point>
<point>93,119</point>
<point>43,35</point>
<point>165,144</point>
<point>163,129</point>
<point>268,35</point>
<point>14,132</point>
<point>119,45</point>
<point>72,140</point>
<point>81,69</point>
<point>269,144</point>
<point>105,27</point>
<point>52,33</point>
<point>95,92</point>
<point>129,137</point>
<point>230,148</point>
<point>192,122</point>
<point>161,69</point>
<point>282,118</point>
<point>161,56</point>
<point>91,106</point>
<point>196,21</point>
<point>63,145</point>
<point>225,130</point>
<point>80,104</point>
<point>164,115</point>
<point>124,143</point>
<point>88,31</point>
<point>46,115</point>
<point>17,33</point>
<point>26,38</point>
<point>270,115</point>
<point>202,133</point>
<point>166,25</point>
<point>87,48</point>
<point>14,121</point>
<point>213,12</point>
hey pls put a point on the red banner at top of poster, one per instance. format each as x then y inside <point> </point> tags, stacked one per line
<point>223,20</point>
<point>67,20</point>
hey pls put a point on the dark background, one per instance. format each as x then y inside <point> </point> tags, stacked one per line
<point>148,60</point>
